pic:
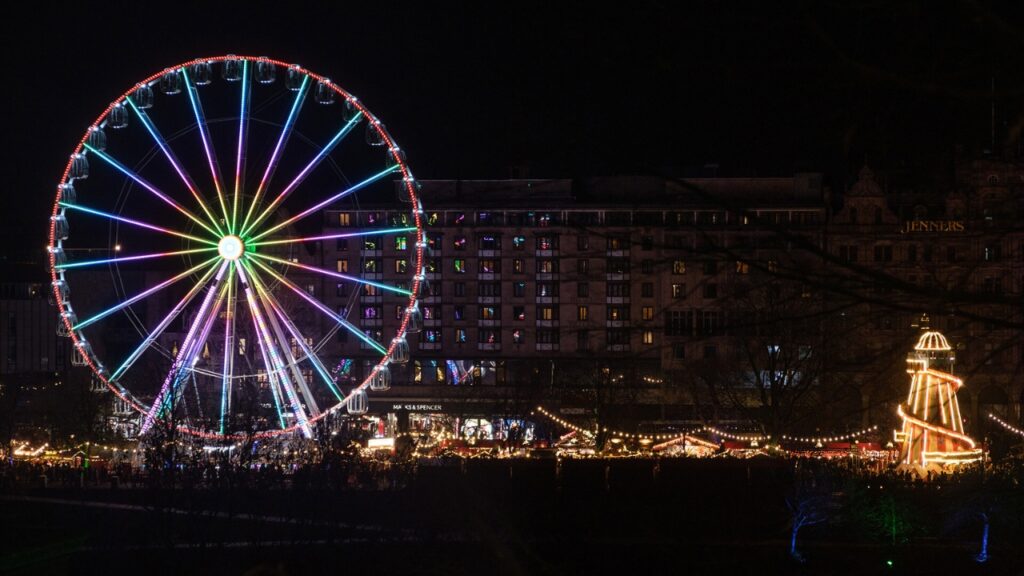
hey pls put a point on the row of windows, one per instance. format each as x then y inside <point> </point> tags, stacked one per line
<point>927,253</point>
<point>543,312</point>
<point>588,218</point>
<point>613,336</point>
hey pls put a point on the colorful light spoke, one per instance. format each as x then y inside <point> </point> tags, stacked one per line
<point>96,212</point>
<point>338,275</point>
<point>162,325</point>
<point>306,171</point>
<point>183,360</point>
<point>345,323</point>
<point>204,134</point>
<point>132,258</point>
<point>243,124</point>
<point>143,294</point>
<point>274,350</point>
<point>326,202</point>
<point>286,131</point>
<point>165,148</point>
<point>280,370</point>
<point>294,331</point>
<point>138,180</point>
<point>333,236</point>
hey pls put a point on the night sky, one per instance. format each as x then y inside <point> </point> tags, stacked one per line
<point>473,90</point>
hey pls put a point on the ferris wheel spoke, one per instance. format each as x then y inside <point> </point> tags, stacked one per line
<point>295,333</point>
<point>282,140</point>
<point>169,154</point>
<point>103,214</point>
<point>288,358</point>
<point>306,171</point>
<point>229,349</point>
<point>276,362</point>
<point>243,127</point>
<point>335,236</point>
<point>159,329</point>
<point>143,294</point>
<point>323,308</point>
<point>141,182</point>
<point>326,202</point>
<point>186,353</point>
<point>204,134</point>
<point>132,258</point>
<point>338,275</point>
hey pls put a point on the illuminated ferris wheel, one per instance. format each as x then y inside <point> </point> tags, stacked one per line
<point>187,242</point>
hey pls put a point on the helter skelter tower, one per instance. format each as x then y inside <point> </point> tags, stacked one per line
<point>933,431</point>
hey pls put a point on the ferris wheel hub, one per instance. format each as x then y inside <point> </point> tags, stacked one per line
<point>231,247</point>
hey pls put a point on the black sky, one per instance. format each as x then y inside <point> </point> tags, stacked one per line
<point>472,89</point>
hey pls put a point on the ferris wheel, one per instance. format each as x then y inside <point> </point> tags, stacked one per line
<point>189,241</point>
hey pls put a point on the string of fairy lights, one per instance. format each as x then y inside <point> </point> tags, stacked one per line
<point>1006,425</point>
<point>669,438</point>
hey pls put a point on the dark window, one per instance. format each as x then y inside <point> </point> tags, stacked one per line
<point>647,290</point>
<point>583,290</point>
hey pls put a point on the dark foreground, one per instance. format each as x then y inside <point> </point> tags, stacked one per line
<point>690,517</point>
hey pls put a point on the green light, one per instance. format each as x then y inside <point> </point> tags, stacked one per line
<point>888,563</point>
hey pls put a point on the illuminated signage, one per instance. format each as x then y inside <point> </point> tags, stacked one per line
<point>418,407</point>
<point>912,226</point>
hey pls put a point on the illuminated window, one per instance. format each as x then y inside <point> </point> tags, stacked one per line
<point>648,337</point>
<point>401,266</point>
<point>519,289</point>
<point>401,242</point>
<point>547,313</point>
<point>460,312</point>
<point>429,312</point>
<point>545,243</point>
<point>371,243</point>
<point>489,312</point>
<point>342,265</point>
<point>460,335</point>
<point>371,312</point>
<point>399,311</point>
<point>519,312</point>
<point>432,336</point>
<point>459,265</point>
<point>344,219</point>
<point>547,266</point>
<point>434,265</point>
<point>647,313</point>
<point>618,313</point>
<point>583,266</point>
<point>679,290</point>
<point>582,313</point>
<point>547,289</point>
<point>490,266</point>
<point>618,243</point>
<point>518,242</point>
<point>371,265</point>
<point>241,346</point>
<point>370,290</point>
<point>517,336</point>
<point>742,267</point>
<point>433,218</point>
<point>517,265</point>
<point>459,243</point>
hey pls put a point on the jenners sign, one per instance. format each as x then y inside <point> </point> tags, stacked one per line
<point>913,226</point>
